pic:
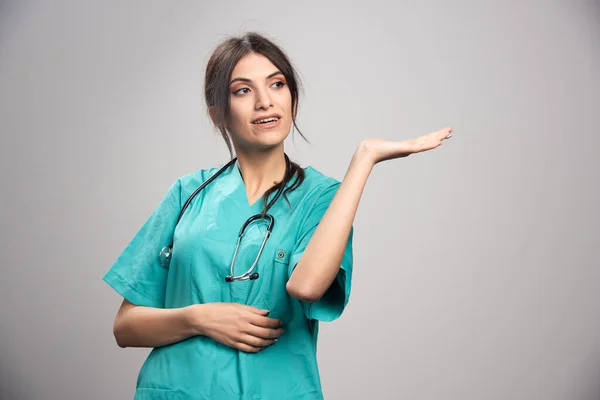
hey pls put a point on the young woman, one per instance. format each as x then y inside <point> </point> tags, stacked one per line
<point>259,255</point>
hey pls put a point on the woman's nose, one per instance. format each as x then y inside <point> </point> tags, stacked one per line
<point>263,99</point>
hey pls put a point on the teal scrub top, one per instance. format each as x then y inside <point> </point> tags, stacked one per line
<point>204,242</point>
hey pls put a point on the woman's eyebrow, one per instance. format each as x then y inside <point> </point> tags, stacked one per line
<point>242,79</point>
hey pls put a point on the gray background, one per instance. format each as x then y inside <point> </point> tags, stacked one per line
<point>476,274</point>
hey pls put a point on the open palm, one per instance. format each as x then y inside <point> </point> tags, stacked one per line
<point>386,150</point>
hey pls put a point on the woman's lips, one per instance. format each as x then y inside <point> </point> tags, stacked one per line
<point>268,125</point>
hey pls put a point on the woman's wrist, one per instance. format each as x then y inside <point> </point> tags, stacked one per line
<point>194,317</point>
<point>364,154</point>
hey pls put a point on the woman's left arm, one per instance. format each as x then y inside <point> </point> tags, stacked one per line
<point>321,260</point>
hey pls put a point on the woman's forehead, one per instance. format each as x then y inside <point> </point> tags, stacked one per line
<point>254,67</point>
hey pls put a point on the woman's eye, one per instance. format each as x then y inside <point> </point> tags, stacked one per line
<point>238,92</point>
<point>241,91</point>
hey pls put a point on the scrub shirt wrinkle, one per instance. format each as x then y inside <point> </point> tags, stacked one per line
<point>204,243</point>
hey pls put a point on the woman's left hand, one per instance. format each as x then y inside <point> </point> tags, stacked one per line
<point>380,150</point>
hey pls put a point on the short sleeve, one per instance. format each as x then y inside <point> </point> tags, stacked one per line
<point>137,273</point>
<point>335,299</point>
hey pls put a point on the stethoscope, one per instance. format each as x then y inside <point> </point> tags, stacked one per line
<point>166,252</point>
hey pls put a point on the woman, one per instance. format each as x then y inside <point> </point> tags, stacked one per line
<point>214,335</point>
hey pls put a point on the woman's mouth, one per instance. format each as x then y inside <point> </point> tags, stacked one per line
<point>267,123</point>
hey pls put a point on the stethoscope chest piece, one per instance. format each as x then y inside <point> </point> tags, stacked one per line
<point>165,256</point>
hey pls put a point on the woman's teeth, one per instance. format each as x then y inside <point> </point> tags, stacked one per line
<point>264,121</point>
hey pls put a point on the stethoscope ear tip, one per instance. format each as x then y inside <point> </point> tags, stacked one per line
<point>251,277</point>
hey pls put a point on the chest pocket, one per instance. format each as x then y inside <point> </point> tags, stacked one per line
<point>275,297</point>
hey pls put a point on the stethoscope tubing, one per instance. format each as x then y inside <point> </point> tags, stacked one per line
<point>166,252</point>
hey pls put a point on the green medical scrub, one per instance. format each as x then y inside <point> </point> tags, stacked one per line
<point>203,246</point>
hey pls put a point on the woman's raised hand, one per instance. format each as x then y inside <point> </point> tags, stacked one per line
<point>380,150</point>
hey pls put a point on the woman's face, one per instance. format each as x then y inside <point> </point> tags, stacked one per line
<point>258,90</point>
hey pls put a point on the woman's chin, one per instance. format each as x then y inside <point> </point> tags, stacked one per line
<point>268,140</point>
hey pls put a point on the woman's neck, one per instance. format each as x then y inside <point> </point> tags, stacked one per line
<point>260,171</point>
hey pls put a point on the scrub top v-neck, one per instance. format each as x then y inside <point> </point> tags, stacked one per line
<point>204,242</point>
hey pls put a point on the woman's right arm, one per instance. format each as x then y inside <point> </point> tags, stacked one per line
<point>138,326</point>
<point>243,327</point>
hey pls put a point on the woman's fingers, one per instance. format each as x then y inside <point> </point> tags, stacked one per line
<point>254,341</point>
<point>445,133</point>
<point>433,139</point>
<point>263,333</point>
<point>258,332</point>
<point>247,348</point>
<point>254,310</point>
<point>264,322</point>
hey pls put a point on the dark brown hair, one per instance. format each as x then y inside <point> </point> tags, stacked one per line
<point>216,88</point>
